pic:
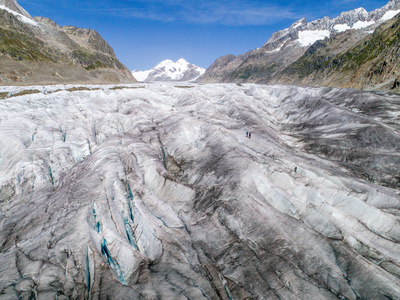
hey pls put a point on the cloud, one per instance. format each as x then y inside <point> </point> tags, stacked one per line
<point>223,12</point>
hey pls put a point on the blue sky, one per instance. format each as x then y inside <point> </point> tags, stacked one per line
<point>145,32</point>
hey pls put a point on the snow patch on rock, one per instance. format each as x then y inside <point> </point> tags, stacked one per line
<point>341,27</point>
<point>19,16</point>
<point>309,37</point>
<point>390,15</point>
<point>363,24</point>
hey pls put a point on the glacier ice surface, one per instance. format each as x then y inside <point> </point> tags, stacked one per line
<point>154,192</point>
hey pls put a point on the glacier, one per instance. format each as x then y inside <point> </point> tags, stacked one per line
<point>153,191</point>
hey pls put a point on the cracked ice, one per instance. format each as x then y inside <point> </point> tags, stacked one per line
<point>157,193</point>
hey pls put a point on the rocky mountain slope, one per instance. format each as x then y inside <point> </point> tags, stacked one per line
<point>371,63</point>
<point>38,51</point>
<point>296,44</point>
<point>156,193</point>
<point>168,70</point>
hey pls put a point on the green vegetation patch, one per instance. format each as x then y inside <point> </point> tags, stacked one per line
<point>263,73</point>
<point>97,65</point>
<point>360,54</point>
<point>95,60</point>
<point>313,60</point>
<point>308,65</point>
<point>19,46</point>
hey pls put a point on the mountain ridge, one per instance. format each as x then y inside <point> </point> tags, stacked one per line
<point>369,64</point>
<point>39,51</point>
<point>285,47</point>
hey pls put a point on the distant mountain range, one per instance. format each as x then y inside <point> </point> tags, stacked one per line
<point>168,70</point>
<point>358,49</point>
<point>38,51</point>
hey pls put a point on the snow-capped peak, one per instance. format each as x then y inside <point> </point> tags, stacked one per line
<point>168,70</point>
<point>166,62</point>
<point>299,23</point>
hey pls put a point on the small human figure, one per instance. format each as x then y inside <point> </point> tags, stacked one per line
<point>249,135</point>
<point>295,169</point>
